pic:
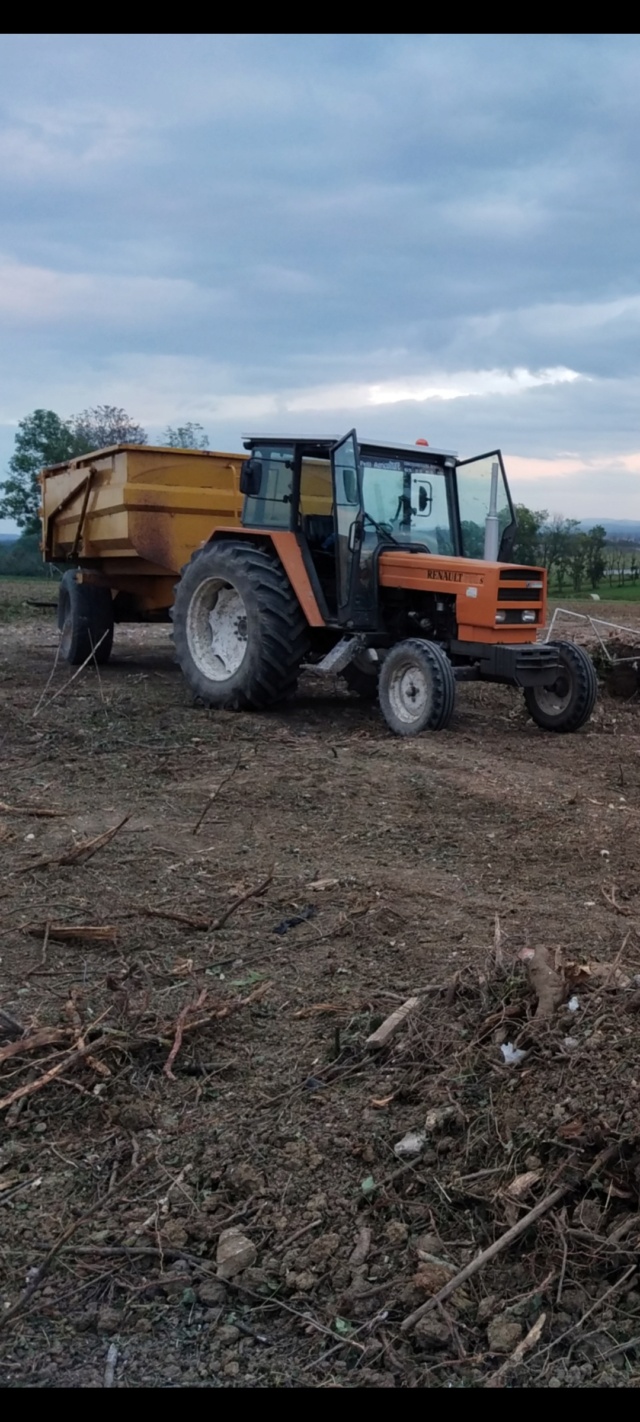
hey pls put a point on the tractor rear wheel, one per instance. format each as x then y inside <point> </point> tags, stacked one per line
<point>417,688</point>
<point>239,633</point>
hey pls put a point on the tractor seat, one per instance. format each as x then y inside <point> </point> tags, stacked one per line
<point>317,528</point>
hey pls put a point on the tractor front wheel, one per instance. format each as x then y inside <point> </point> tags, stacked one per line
<point>568,703</point>
<point>417,688</point>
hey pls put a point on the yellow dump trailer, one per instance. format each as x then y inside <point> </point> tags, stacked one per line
<point>126,520</point>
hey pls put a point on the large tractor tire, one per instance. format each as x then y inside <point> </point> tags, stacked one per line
<point>85,621</point>
<point>417,688</point>
<point>568,704</point>
<point>238,630</point>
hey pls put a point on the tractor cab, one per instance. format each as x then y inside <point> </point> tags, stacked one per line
<point>347,503</point>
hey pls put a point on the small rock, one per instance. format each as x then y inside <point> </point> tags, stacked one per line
<point>431,1333</point>
<point>434,1120</point>
<point>227,1333</point>
<point>503,1334</point>
<point>486,1308</point>
<point>235,1252</point>
<point>555,1382</point>
<point>255,1278</point>
<point>431,1277</point>
<point>427,1245</point>
<point>322,1248</point>
<point>296,1152</point>
<point>244,1180</point>
<point>86,1320</point>
<point>176,1279</point>
<point>212,1293</point>
<point>588,1215</point>
<point>173,1234</point>
<point>303,1282</point>
<point>109,1320</point>
<point>396,1232</point>
<point>232,1369</point>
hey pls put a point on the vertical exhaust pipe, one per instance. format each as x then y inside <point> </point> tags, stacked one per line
<point>491,528</point>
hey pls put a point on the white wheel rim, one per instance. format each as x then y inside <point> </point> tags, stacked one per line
<point>551,702</point>
<point>217,629</point>
<point>409,692</point>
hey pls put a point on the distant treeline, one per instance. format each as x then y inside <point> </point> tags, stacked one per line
<point>23,559</point>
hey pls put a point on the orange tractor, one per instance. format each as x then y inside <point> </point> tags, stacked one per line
<point>387,564</point>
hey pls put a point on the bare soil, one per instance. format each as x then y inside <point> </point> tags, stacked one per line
<point>276,886</point>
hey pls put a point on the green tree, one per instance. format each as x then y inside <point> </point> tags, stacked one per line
<point>595,555</point>
<point>529,526</point>
<point>43,438</point>
<point>472,539</point>
<point>578,559</point>
<point>189,436</point>
<point>102,426</point>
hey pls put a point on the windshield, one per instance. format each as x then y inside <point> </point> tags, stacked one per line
<point>409,500</point>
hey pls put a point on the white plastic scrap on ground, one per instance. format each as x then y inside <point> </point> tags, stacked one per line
<point>411,1144</point>
<point>512,1055</point>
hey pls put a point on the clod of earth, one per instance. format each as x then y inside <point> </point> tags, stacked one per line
<point>234,1253</point>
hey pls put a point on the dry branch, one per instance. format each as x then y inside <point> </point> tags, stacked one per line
<point>214,795</point>
<point>81,853</point>
<point>174,915</point>
<point>76,674</point>
<point>251,894</point>
<point>481,1259</point>
<point>33,810</point>
<point>391,1025</point>
<point>95,933</point>
<point>180,1026</point>
<point>47,1037</point>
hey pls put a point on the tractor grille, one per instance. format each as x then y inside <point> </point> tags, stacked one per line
<point>513,575</point>
<point>524,596</point>
<point>529,597</point>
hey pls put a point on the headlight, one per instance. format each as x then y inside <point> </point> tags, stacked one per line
<point>529,616</point>
<point>501,616</point>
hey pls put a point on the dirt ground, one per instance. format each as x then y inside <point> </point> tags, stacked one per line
<point>282,883</point>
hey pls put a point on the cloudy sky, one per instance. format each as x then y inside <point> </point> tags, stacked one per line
<point>421,236</point>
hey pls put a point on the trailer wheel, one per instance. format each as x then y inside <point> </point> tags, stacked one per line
<point>85,621</point>
<point>417,688</point>
<point>569,702</point>
<point>238,629</point>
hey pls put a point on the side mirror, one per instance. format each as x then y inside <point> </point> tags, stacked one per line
<point>351,485</point>
<point>251,477</point>
<point>425,498</point>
